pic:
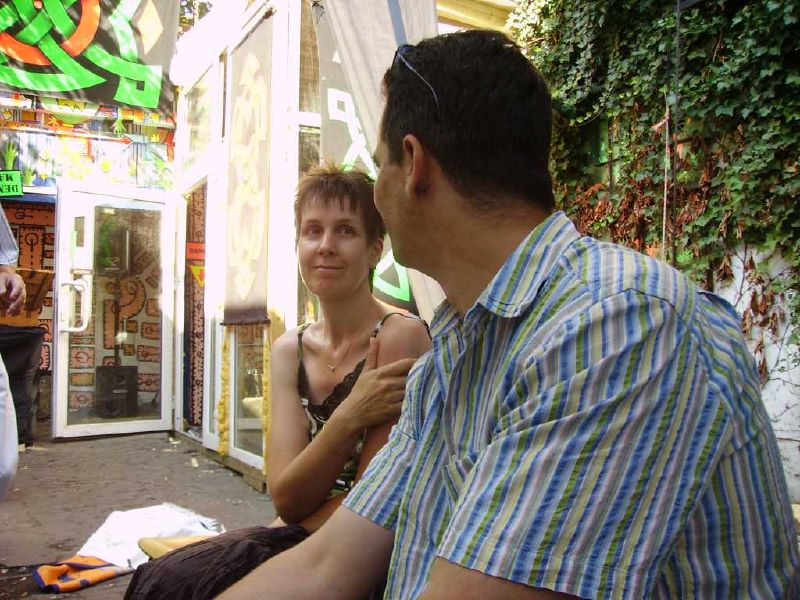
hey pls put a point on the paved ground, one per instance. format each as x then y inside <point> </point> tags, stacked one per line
<point>64,491</point>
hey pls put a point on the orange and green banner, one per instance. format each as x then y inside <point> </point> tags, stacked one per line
<point>107,51</point>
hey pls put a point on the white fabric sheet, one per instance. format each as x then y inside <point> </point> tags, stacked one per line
<point>116,541</point>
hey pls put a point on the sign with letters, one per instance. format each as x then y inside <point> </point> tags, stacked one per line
<point>10,183</point>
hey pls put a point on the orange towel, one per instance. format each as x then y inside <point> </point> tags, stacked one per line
<point>75,573</point>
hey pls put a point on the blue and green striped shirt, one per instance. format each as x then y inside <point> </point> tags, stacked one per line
<point>593,425</point>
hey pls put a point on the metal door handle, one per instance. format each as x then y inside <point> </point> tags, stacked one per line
<point>82,288</point>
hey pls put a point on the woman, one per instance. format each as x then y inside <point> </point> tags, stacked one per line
<point>339,243</point>
<point>336,390</point>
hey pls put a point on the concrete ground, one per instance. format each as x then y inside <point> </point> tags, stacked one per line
<point>64,491</point>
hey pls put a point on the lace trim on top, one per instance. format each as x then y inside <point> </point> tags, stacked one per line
<point>318,414</point>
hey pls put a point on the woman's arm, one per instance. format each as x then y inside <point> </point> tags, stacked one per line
<point>405,338</point>
<point>301,474</point>
<point>400,338</point>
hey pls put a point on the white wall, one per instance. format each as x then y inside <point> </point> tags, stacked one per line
<point>781,393</point>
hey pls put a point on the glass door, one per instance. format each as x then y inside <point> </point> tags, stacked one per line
<point>115,259</point>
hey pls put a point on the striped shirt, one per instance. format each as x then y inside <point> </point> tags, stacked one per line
<point>593,425</point>
<point>8,243</point>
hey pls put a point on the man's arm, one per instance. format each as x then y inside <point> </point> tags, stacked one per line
<point>449,580</point>
<point>346,558</point>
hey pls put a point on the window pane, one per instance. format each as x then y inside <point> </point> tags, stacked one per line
<point>248,400</point>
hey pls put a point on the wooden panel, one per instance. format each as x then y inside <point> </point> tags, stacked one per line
<point>37,285</point>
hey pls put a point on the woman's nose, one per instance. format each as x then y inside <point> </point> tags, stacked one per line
<point>326,242</point>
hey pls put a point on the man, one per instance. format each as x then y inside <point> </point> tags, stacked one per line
<point>12,298</point>
<point>588,423</point>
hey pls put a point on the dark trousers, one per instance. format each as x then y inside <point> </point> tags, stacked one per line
<point>205,569</point>
<point>20,348</point>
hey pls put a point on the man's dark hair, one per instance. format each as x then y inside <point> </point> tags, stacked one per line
<point>349,188</point>
<point>486,116</point>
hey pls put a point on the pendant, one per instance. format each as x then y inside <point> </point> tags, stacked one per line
<point>332,368</point>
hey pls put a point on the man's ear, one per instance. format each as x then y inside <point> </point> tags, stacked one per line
<point>417,166</point>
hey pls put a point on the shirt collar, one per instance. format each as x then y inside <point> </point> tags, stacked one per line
<point>515,286</point>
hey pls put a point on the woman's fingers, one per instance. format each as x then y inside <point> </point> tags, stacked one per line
<point>398,367</point>
<point>391,385</point>
<point>378,393</point>
<point>371,360</point>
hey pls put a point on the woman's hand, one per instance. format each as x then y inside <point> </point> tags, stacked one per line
<point>377,396</point>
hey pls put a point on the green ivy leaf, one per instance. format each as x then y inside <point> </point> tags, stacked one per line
<point>724,110</point>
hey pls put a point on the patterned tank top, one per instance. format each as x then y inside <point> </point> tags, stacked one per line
<point>318,414</point>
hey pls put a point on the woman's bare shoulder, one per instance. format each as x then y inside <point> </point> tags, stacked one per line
<point>283,363</point>
<point>286,345</point>
<point>404,334</point>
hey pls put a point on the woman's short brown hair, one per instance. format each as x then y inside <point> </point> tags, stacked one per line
<point>351,188</point>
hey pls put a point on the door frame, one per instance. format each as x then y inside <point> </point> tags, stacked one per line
<point>67,208</point>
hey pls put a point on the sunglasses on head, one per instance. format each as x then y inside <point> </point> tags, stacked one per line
<point>400,55</point>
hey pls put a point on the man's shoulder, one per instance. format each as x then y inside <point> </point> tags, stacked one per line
<point>606,269</point>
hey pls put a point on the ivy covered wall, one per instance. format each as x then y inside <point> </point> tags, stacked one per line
<point>677,132</point>
<point>710,101</point>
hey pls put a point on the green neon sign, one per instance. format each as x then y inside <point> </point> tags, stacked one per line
<point>401,291</point>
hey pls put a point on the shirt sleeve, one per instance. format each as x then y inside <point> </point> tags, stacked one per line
<point>378,493</point>
<point>9,253</point>
<point>594,467</point>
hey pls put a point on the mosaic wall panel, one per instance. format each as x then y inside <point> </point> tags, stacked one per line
<point>151,331</point>
<point>151,308</point>
<point>148,354</point>
<point>193,316</point>
<point>148,382</point>
<point>137,333</point>
<point>30,240</point>
<point>34,227</point>
<point>81,357</point>
<point>80,399</point>
<point>81,379</point>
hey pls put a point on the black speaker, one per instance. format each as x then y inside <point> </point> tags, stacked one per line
<point>115,392</point>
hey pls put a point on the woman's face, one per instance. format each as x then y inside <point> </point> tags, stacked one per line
<point>334,254</point>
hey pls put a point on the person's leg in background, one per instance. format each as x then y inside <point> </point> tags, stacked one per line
<point>20,348</point>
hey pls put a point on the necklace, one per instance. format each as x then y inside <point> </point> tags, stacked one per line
<point>336,364</point>
<point>332,366</point>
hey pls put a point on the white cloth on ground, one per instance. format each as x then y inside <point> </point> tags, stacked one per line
<point>116,541</point>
